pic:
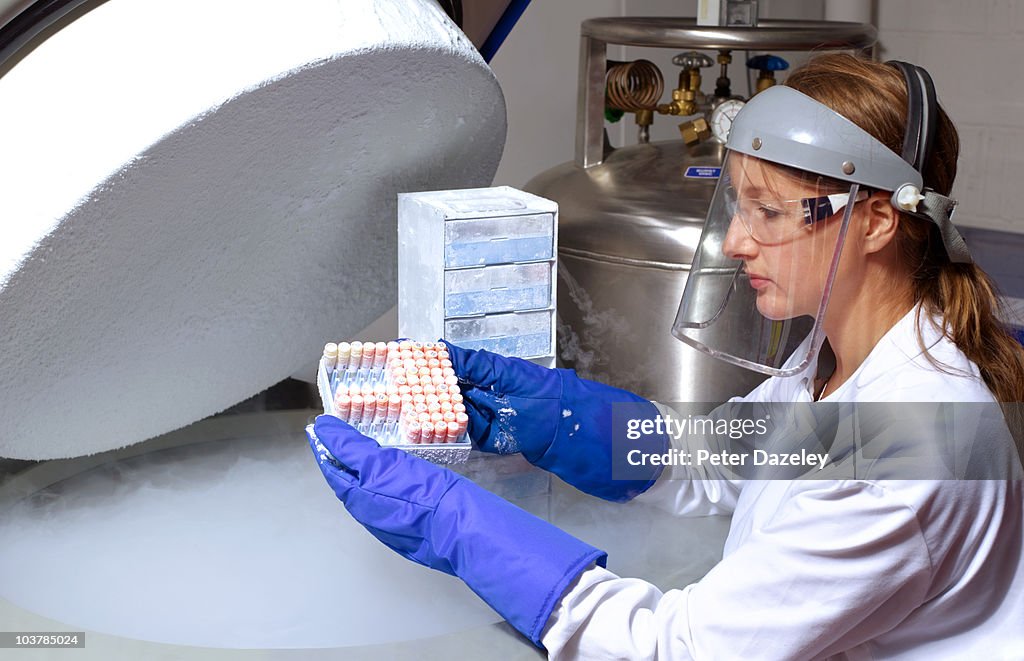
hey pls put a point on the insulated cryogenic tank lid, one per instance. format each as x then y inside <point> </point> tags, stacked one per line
<point>198,195</point>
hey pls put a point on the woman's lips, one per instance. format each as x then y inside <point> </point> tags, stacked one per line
<point>758,281</point>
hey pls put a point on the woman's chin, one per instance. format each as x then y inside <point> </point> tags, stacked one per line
<point>770,308</point>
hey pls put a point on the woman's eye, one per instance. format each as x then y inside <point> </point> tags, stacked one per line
<point>768,213</point>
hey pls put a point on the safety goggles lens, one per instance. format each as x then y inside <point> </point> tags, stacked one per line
<point>774,220</point>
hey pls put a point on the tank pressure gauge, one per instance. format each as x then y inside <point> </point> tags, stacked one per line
<point>722,117</point>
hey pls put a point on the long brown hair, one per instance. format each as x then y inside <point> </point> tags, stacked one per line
<point>873,95</point>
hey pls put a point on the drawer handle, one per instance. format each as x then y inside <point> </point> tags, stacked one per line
<point>499,238</point>
<point>499,288</point>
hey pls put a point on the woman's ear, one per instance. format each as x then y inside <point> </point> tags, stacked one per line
<point>881,223</point>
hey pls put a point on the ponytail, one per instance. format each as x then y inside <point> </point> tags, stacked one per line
<point>966,300</point>
<point>874,96</point>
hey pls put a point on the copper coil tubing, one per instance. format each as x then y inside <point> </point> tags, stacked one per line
<point>633,86</point>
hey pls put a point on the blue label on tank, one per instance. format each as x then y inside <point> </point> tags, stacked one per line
<point>702,172</point>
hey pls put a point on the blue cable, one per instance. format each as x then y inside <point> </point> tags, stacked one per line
<point>505,24</point>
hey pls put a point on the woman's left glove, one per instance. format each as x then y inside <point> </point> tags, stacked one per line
<point>516,562</point>
<point>560,422</point>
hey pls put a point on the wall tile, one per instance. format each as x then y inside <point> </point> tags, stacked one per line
<point>978,81</point>
<point>946,16</point>
<point>1001,176</point>
<point>1003,16</point>
<point>898,45</point>
<point>968,187</point>
<point>896,15</point>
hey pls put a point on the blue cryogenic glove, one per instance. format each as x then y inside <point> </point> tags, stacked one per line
<point>517,563</point>
<point>560,422</point>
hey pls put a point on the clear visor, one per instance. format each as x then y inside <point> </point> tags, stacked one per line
<point>763,271</point>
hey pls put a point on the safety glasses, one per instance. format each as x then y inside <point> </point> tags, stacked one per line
<point>772,221</point>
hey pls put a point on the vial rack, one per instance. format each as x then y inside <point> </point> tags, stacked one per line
<point>403,395</point>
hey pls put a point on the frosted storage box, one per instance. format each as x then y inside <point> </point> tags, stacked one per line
<point>478,267</point>
<point>498,240</point>
<point>497,289</point>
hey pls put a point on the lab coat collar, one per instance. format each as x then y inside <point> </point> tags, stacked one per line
<point>897,347</point>
<point>900,345</point>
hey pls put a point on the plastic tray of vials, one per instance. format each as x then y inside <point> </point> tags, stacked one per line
<point>402,394</point>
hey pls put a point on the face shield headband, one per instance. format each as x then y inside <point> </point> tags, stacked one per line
<point>922,119</point>
<point>784,126</point>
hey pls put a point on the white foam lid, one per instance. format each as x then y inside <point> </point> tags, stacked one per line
<point>197,196</point>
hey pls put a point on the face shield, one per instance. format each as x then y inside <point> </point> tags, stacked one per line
<point>766,266</point>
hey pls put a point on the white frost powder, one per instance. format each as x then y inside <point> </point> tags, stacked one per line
<point>165,547</point>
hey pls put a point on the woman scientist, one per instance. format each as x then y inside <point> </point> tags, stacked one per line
<point>828,260</point>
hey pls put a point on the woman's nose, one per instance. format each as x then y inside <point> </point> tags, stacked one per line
<point>738,243</point>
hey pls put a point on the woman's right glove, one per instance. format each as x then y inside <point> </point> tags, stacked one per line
<point>560,422</point>
<point>518,563</point>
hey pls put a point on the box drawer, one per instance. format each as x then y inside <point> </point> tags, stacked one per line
<point>497,289</point>
<point>483,241</point>
<point>520,334</point>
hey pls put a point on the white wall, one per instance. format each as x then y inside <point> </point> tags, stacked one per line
<point>536,68</point>
<point>972,48</point>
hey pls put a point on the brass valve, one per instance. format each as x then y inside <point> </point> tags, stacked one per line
<point>684,98</point>
<point>723,86</point>
<point>644,119</point>
<point>695,130</point>
<point>765,80</point>
<point>684,102</point>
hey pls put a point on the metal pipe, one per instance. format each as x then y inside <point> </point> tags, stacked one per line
<point>768,35</point>
<point>590,102</point>
<point>508,20</point>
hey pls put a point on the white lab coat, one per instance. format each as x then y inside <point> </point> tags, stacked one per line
<point>843,569</point>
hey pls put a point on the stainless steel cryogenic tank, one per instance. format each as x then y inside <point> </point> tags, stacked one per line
<point>630,218</point>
